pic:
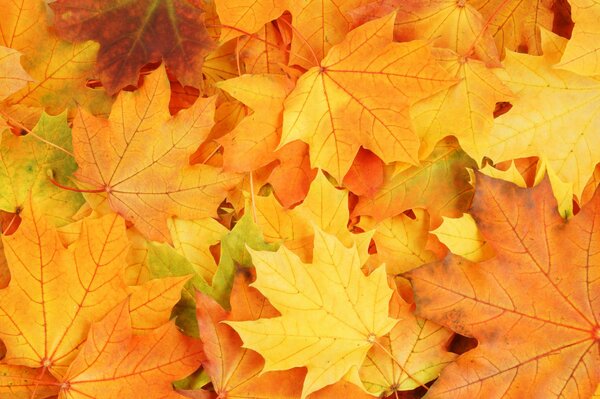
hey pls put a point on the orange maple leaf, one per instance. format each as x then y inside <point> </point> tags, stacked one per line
<point>58,69</point>
<point>115,364</point>
<point>56,293</point>
<point>252,142</point>
<point>533,307</point>
<point>139,157</point>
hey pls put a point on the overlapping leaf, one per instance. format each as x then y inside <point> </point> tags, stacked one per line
<point>252,142</point>
<point>414,353</point>
<point>516,23</point>
<point>58,70</point>
<point>236,371</point>
<point>331,312</point>
<point>317,25</point>
<point>360,95</point>
<point>331,120</point>
<point>114,363</point>
<point>41,324</point>
<point>28,163</point>
<point>540,287</point>
<point>13,75</point>
<point>139,157</point>
<point>567,118</point>
<point>413,188</point>
<point>133,33</point>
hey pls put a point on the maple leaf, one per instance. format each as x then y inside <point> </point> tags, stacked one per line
<point>465,110</point>
<point>134,33</point>
<point>291,179</point>
<point>317,25</point>
<point>402,241</point>
<point>533,307</point>
<point>114,363</point>
<point>25,383</point>
<point>164,262</point>
<point>149,183</point>
<point>58,70</point>
<point>246,15</point>
<point>25,164</point>
<point>411,355</point>
<point>265,51</point>
<point>451,24</point>
<point>12,73</point>
<point>515,23</point>
<point>55,323</point>
<point>331,312</point>
<point>462,237</point>
<point>252,142</point>
<point>581,52</point>
<point>193,239</point>
<point>150,304</point>
<point>412,188</point>
<point>566,119</point>
<point>360,95</point>
<point>365,175</point>
<point>314,39</point>
<point>234,370</point>
<point>219,65</point>
<point>324,206</point>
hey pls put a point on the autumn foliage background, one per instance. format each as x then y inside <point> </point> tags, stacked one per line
<point>299,199</point>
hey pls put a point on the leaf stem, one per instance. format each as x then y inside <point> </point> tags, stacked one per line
<point>252,197</point>
<point>77,190</point>
<point>19,125</point>
<point>212,153</point>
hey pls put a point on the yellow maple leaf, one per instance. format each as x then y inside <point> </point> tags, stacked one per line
<point>193,239</point>
<point>413,353</point>
<point>324,206</point>
<point>581,54</point>
<point>360,95</point>
<point>317,24</point>
<point>331,313</point>
<point>462,237</point>
<point>562,129</point>
<point>516,23</point>
<point>451,24</point>
<point>465,110</point>
<point>401,241</point>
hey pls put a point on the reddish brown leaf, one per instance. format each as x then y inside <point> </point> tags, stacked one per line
<point>133,33</point>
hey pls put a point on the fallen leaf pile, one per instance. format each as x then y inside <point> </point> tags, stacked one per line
<point>285,199</point>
